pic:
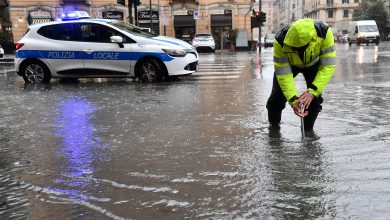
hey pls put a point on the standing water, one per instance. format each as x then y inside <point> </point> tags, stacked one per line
<point>197,148</point>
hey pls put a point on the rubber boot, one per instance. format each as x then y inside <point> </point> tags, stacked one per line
<point>274,117</point>
<point>309,120</point>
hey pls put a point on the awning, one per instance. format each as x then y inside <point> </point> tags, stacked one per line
<point>3,4</point>
<point>221,20</point>
<point>184,21</point>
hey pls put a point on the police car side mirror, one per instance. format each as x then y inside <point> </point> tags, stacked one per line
<point>118,40</point>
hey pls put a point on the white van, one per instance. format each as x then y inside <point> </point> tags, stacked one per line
<point>365,31</point>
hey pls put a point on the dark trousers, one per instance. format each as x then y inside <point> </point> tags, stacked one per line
<point>277,101</point>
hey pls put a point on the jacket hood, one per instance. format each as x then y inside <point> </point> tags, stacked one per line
<point>300,33</point>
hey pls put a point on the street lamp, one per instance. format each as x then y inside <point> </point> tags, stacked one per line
<point>151,16</point>
<point>260,28</point>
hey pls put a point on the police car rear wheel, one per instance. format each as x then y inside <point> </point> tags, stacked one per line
<point>150,71</point>
<point>35,72</point>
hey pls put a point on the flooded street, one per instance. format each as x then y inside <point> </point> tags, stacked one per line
<point>198,147</point>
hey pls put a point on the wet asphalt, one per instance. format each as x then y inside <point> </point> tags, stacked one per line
<point>198,147</point>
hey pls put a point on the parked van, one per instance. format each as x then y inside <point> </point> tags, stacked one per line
<point>365,31</point>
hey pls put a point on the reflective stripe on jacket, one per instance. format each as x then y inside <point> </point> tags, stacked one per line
<point>319,37</point>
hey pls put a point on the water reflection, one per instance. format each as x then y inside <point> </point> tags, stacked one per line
<point>79,148</point>
<point>299,178</point>
<point>6,69</point>
<point>367,55</point>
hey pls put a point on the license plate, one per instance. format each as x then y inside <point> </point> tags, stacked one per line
<point>369,40</point>
<point>197,68</point>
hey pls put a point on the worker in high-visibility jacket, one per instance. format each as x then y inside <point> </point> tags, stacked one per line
<point>305,46</point>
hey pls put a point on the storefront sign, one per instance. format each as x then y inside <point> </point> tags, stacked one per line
<point>145,15</point>
<point>116,15</point>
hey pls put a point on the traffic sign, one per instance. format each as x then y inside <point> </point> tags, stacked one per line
<point>196,15</point>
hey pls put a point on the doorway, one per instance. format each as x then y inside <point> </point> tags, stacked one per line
<point>221,25</point>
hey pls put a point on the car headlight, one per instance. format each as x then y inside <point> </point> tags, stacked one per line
<point>175,52</point>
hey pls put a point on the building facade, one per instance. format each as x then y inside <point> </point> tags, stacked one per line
<point>337,13</point>
<point>175,18</point>
<point>290,11</point>
<point>183,18</point>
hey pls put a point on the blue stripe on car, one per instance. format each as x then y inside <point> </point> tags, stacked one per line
<point>97,55</point>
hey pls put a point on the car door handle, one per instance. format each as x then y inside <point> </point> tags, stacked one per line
<point>88,51</point>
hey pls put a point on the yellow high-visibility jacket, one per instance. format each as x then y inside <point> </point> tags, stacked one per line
<point>319,37</point>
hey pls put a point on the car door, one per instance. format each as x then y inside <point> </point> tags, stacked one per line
<point>62,51</point>
<point>100,55</point>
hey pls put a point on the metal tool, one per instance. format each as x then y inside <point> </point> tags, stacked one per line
<point>302,122</point>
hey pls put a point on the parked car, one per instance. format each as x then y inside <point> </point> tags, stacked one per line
<point>1,53</point>
<point>343,39</point>
<point>203,41</point>
<point>269,40</point>
<point>100,48</point>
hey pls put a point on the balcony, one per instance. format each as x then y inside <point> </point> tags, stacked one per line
<point>330,5</point>
<point>346,6</point>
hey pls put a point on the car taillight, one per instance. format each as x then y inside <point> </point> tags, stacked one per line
<point>19,45</point>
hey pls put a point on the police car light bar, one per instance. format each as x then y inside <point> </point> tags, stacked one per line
<point>74,15</point>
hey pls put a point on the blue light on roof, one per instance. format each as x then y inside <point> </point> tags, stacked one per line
<point>74,15</point>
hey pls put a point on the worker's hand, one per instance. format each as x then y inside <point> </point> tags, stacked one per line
<point>302,104</point>
<point>299,110</point>
<point>305,99</point>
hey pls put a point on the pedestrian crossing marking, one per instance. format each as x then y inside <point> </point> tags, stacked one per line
<point>211,77</point>
<point>215,73</point>
<point>209,70</point>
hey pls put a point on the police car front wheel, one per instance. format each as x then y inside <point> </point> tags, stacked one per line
<point>35,72</point>
<point>149,70</point>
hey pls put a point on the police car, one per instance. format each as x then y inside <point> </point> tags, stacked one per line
<point>78,48</point>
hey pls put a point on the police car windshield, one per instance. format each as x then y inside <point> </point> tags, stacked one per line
<point>132,29</point>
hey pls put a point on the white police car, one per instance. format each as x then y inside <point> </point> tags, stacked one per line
<point>100,48</point>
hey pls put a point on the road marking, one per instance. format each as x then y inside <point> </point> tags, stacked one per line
<point>7,70</point>
<point>215,73</point>
<point>208,70</point>
<point>190,77</point>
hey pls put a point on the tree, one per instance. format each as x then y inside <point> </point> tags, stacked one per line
<point>372,10</point>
